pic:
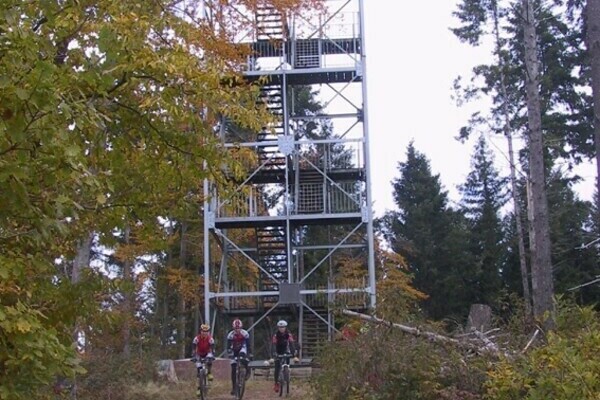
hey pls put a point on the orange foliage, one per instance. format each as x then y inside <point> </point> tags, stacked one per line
<point>186,282</point>
<point>396,297</point>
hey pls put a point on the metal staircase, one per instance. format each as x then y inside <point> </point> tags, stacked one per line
<point>271,246</point>
<point>315,333</point>
<point>271,96</point>
<point>270,23</point>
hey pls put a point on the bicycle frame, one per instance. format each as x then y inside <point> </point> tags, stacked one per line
<point>284,373</point>
<point>240,378</point>
<point>202,377</point>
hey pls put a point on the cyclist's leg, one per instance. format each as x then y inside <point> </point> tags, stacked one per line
<point>276,374</point>
<point>245,361</point>
<point>199,388</point>
<point>208,366</point>
<point>247,366</point>
<point>277,369</point>
<point>233,376</point>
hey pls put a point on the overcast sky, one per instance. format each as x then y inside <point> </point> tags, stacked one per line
<point>412,60</point>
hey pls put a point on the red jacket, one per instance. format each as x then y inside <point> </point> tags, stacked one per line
<point>204,345</point>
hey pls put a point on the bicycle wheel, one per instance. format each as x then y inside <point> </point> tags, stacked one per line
<point>203,385</point>
<point>286,380</point>
<point>241,382</point>
<point>280,380</point>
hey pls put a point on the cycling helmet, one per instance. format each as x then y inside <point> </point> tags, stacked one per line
<point>281,324</point>
<point>204,327</point>
<point>237,324</point>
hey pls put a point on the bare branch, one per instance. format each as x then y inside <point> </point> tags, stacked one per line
<point>535,334</point>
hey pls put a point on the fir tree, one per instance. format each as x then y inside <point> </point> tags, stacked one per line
<point>484,195</point>
<point>430,236</point>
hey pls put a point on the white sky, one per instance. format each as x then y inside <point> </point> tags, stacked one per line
<point>412,60</point>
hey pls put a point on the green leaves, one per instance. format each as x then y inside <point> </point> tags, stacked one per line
<point>565,368</point>
<point>22,94</point>
<point>33,354</point>
<point>100,124</point>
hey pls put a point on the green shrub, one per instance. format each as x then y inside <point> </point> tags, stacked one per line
<point>382,363</point>
<point>112,376</point>
<point>567,367</point>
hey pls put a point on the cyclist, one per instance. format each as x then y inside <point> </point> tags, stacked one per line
<point>204,347</point>
<point>238,345</point>
<point>282,343</point>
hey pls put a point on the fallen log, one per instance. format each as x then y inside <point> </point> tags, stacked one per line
<point>435,337</point>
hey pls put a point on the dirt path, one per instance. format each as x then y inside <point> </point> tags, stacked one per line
<point>255,390</point>
<point>259,389</point>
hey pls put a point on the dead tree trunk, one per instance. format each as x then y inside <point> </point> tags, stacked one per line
<point>513,174</point>
<point>488,347</point>
<point>541,267</point>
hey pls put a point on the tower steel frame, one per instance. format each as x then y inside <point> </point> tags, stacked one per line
<point>290,52</point>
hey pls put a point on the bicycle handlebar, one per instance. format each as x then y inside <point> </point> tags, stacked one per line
<point>202,359</point>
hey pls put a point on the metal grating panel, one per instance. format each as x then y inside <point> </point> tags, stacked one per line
<point>289,293</point>
<point>307,54</point>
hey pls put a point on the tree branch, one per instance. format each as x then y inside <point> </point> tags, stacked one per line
<point>119,83</point>
<point>39,23</point>
<point>63,45</point>
<point>155,129</point>
<point>535,334</point>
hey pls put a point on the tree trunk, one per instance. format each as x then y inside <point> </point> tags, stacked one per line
<point>513,174</point>
<point>181,305</point>
<point>541,267</point>
<point>480,317</point>
<point>127,300</point>
<point>198,319</point>
<point>81,261</point>
<point>82,258</point>
<point>165,335</point>
<point>520,232</point>
<point>592,16</point>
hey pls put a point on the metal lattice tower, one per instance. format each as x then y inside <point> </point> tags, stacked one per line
<point>282,244</point>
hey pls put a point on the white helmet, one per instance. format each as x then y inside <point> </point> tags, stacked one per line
<point>281,324</point>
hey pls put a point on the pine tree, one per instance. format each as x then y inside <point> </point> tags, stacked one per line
<point>430,236</point>
<point>484,194</point>
<point>574,263</point>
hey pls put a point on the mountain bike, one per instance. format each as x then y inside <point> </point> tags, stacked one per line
<point>284,373</point>
<point>240,376</point>
<point>202,377</point>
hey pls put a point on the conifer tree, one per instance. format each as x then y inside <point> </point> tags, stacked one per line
<point>430,236</point>
<point>483,195</point>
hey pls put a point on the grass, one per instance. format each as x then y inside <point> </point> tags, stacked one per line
<point>219,390</point>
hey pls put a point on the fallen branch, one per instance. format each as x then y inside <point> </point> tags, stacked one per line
<point>535,334</point>
<point>489,345</point>
<point>435,337</point>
